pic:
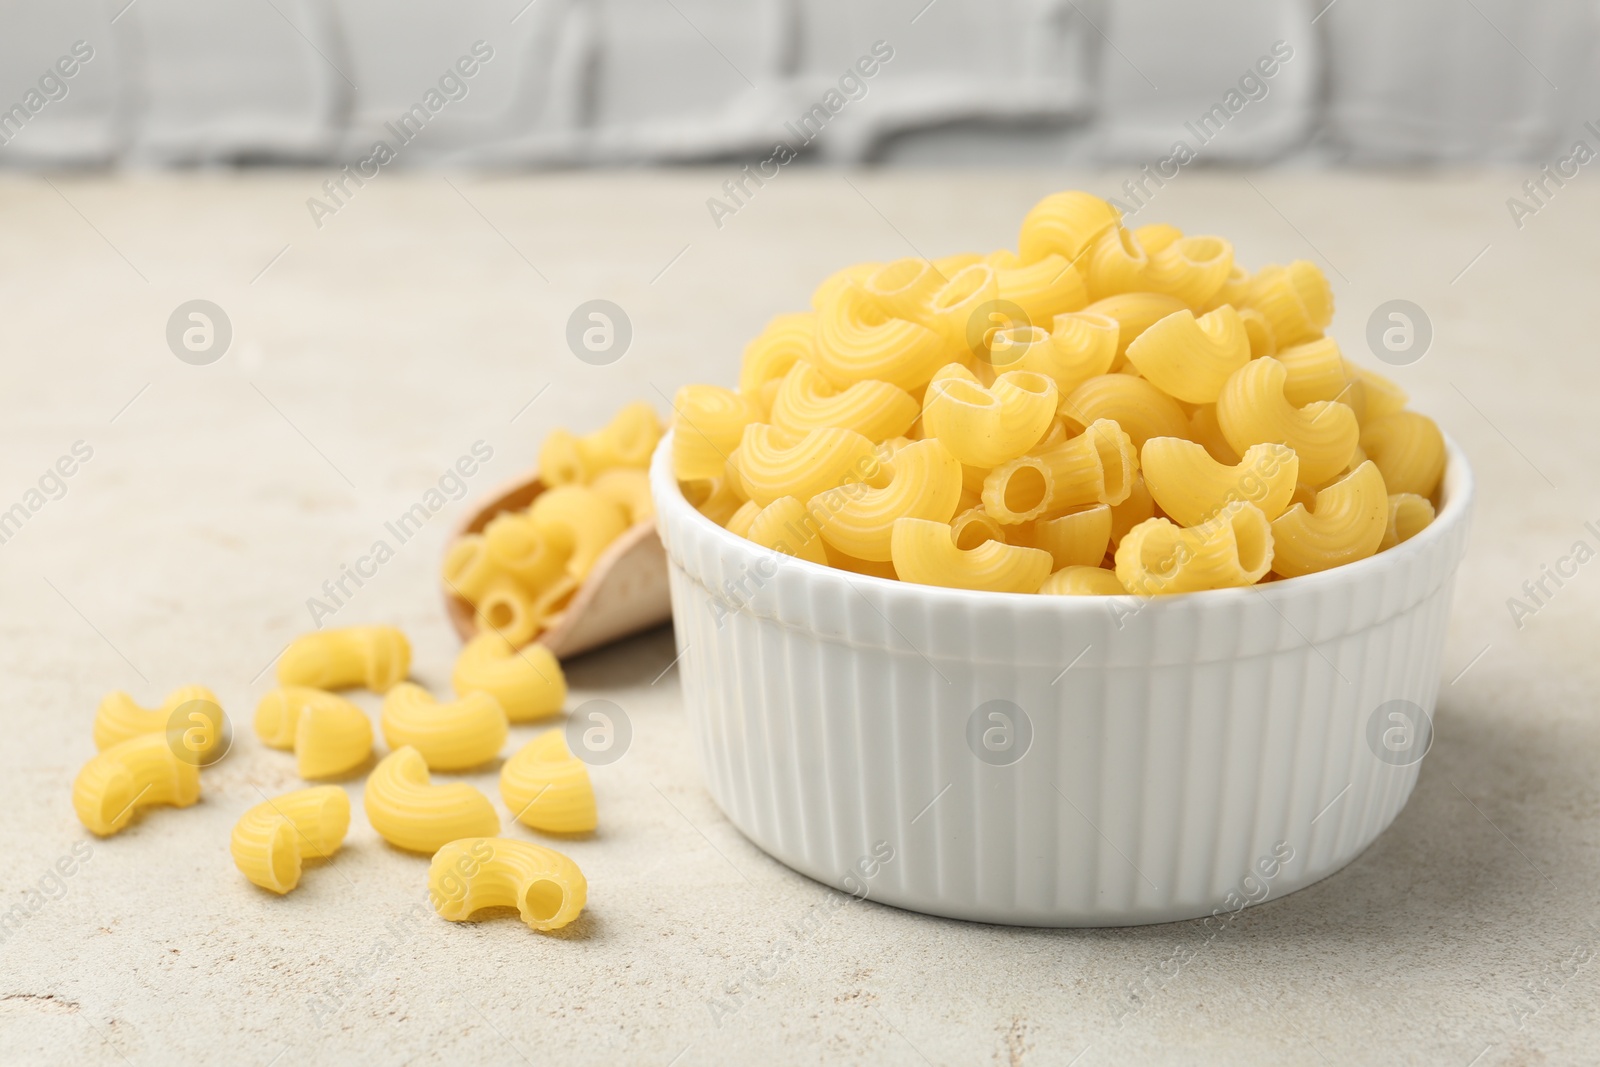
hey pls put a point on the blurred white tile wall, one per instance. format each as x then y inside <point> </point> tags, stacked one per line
<point>570,82</point>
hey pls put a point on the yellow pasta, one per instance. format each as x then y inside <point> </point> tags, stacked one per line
<point>1373,396</point>
<point>786,526</point>
<point>1206,431</point>
<point>1190,486</point>
<point>1315,371</point>
<point>451,737</point>
<point>1117,263</point>
<point>546,787</point>
<point>1096,467</point>
<point>410,812</point>
<point>626,441</point>
<point>1409,515</point>
<point>725,495</point>
<point>1043,289</point>
<point>739,522</point>
<point>1234,547</point>
<point>973,526</point>
<point>1296,301</point>
<point>1259,330</point>
<point>1139,506</point>
<point>924,552</point>
<point>1077,539</point>
<point>119,718</point>
<point>905,288</point>
<point>1253,410</point>
<point>1193,269</point>
<point>858,520</point>
<point>468,570</point>
<point>1134,313</point>
<point>373,656</point>
<point>808,401</point>
<point>1080,346</point>
<point>527,683</point>
<point>272,841</point>
<point>1082,581</point>
<point>858,341</point>
<point>581,516</point>
<point>535,554</point>
<point>140,772</point>
<point>955,310</point>
<point>786,340</point>
<point>474,873</point>
<point>1064,224</point>
<point>1189,358</point>
<point>774,464</point>
<point>507,608</point>
<point>984,427</point>
<point>1157,237</point>
<point>629,489</point>
<point>840,280</point>
<point>1347,524</point>
<point>1408,450</point>
<point>1142,410</point>
<point>707,426</point>
<point>328,734</point>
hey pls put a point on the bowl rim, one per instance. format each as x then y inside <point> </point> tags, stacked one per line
<point>1458,488</point>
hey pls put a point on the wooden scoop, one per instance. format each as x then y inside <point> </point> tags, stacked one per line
<point>625,592</point>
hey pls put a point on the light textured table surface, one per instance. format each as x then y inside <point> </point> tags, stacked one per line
<point>425,316</point>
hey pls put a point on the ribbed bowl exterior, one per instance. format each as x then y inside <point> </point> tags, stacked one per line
<point>1180,749</point>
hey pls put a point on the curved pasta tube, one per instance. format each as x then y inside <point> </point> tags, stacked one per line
<point>1157,236</point>
<point>412,813</point>
<point>1207,432</point>
<point>1139,506</point>
<point>547,605</point>
<point>1096,467</point>
<point>140,772</point>
<point>808,401</point>
<point>507,608</point>
<point>118,717</point>
<point>775,464</point>
<point>1117,263</point>
<point>272,840</point>
<point>474,873</point>
<point>1137,406</point>
<point>840,280</point>
<point>870,568</point>
<point>1134,313</point>
<point>1082,581</point>
<point>786,526</point>
<point>723,496</point>
<point>1191,487</point>
<point>1259,330</point>
<point>956,306</point>
<point>373,656</point>
<point>626,441</point>
<point>973,526</point>
<point>1043,289</point>
<point>1296,300</point>
<point>1189,358</point>
<point>328,734</point>
<point>579,516</point>
<point>707,425</point>
<point>1316,371</point>
<point>629,489</point>
<point>924,552</point>
<point>451,737</point>
<point>1235,289</point>
<point>1408,450</point>
<point>536,554</point>
<point>857,340</point>
<point>1232,548</point>
<point>739,522</point>
<point>786,340</point>
<point>905,288</point>
<point>527,683</point>
<point>1253,410</point>
<point>1082,345</point>
<point>858,520</point>
<point>1409,515</point>
<point>984,427</point>
<point>546,787</point>
<point>1347,524</point>
<point>467,569</point>
<point>1079,538</point>
<point>1193,269</point>
<point>1374,396</point>
<point>1064,224</point>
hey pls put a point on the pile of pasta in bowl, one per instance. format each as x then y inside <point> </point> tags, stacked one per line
<point>1102,411</point>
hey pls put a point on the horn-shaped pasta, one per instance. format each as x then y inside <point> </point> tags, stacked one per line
<point>985,427</point>
<point>629,489</point>
<point>527,682</point>
<point>1234,547</point>
<point>137,773</point>
<point>854,275</point>
<point>412,813</point>
<point>373,656</point>
<point>1193,269</point>
<point>870,568</point>
<point>1117,263</point>
<point>1374,396</point>
<point>1134,313</point>
<point>905,288</point>
<point>546,787</point>
<point>1082,581</point>
<point>467,569</point>
<point>450,736</point>
<point>924,551</point>
<point>1206,431</point>
<point>808,401</point>
<point>774,464</point>
<point>545,887</point>
<point>1409,451</point>
<point>956,307</point>
<point>1191,487</point>
<point>626,441</point>
<point>1347,524</point>
<point>857,340</point>
<point>1064,224</point>
<point>1253,410</point>
<point>533,553</point>
<point>577,515</point>
<point>858,520</point>
<point>1142,410</point>
<point>1234,289</point>
<point>1296,300</point>
<point>1082,345</point>
<point>1077,539</point>
<point>1259,330</point>
<point>724,495</point>
<point>1043,289</point>
<point>328,734</point>
<point>1157,236</point>
<point>786,526</point>
<point>118,717</point>
<point>1316,371</point>
<point>1096,467</point>
<point>1139,506</point>
<point>739,522</point>
<point>1409,515</point>
<point>786,340</point>
<point>973,526</point>
<point>1191,358</point>
<point>272,840</point>
<point>707,425</point>
<point>507,608</point>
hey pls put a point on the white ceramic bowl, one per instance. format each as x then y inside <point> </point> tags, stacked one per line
<point>1151,760</point>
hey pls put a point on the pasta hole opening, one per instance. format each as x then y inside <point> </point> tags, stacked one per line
<point>899,277</point>
<point>1253,536</point>
<point>1117,472</point>
<point>1025,490</point>
<point>1130,246</point>
<point>282,856</point>
<point>961,391</point>
<point>970,531</point>
<point>543,899</point>
<point>1202,251</point>
<point>967,284</point>
<point>1162,556</point>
